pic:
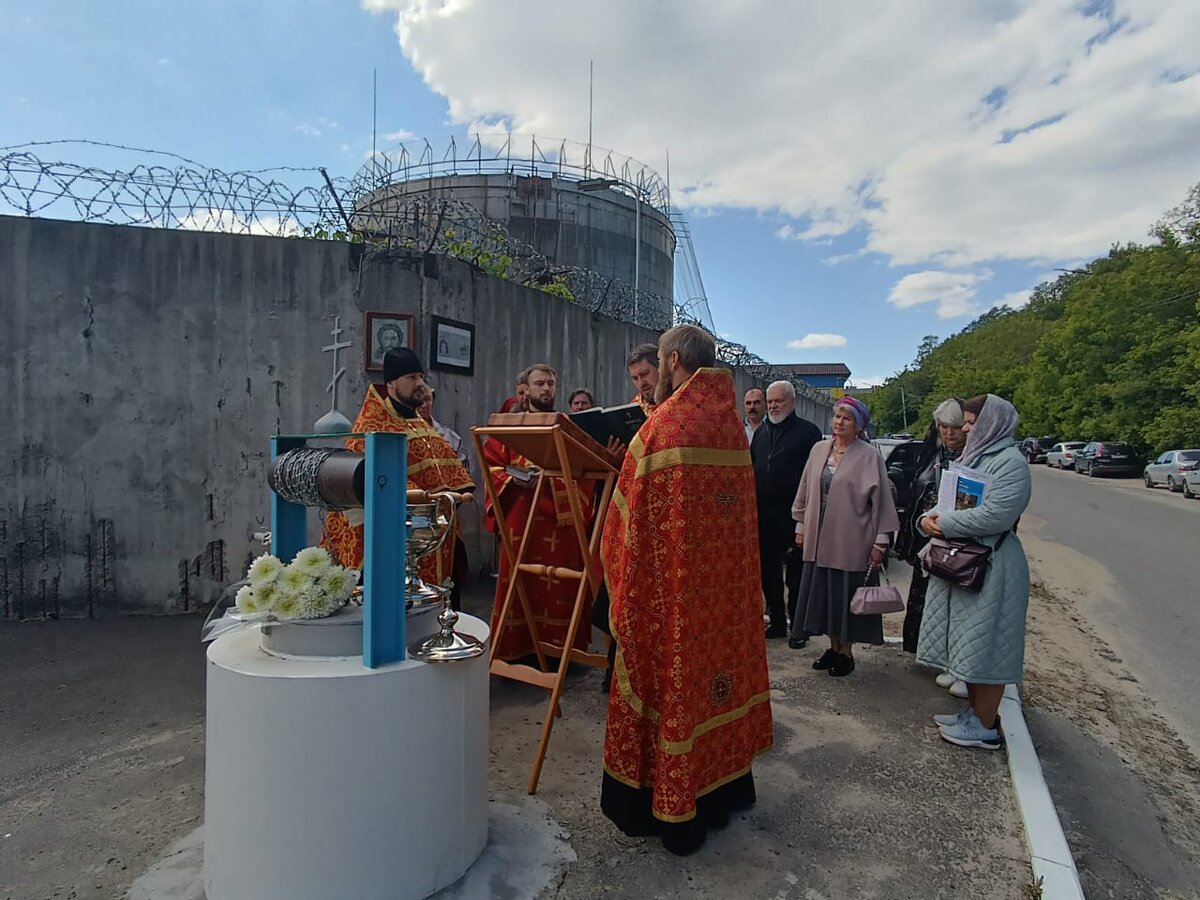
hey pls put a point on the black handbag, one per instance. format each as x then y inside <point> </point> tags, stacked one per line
<point>959,561</point>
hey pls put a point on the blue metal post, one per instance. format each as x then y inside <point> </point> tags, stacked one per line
<point>289,522</point>
<point>383,548</point>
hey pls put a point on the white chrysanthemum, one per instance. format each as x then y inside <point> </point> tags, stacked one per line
<point>265,595</point>
<point>264,570</point>
<point>294,580</point>
<point>247,601</point>
<point>338,583</point>
<point>317,604</point>
<point>286,604</point>
<point>314,561</point>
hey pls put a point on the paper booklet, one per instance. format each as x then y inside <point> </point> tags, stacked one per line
<point>621,422</point>
<point>962,488</point>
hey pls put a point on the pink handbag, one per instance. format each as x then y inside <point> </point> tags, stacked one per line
<point>874,601</point>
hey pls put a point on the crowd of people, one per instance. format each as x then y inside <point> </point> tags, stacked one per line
<point>728,528</point>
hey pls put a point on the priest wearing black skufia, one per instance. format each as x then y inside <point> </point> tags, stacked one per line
<point>779,450</point>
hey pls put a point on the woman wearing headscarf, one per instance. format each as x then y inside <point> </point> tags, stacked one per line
<point>979,637</point>
<point>943,444</point>
<point>845,517</point>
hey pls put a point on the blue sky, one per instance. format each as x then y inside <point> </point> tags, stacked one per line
<point>858,177</point>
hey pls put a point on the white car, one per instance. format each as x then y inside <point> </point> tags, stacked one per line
<point>1170,468</point>
<point>1062,456</point>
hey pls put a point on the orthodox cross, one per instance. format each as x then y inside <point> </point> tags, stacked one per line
<point>333,421</point>
<point>725,499</point>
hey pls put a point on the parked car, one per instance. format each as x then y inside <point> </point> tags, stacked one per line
<point>1191,482</point>
<point>1062,456</point>
<point>1035,449</point>
<point>900,457</point>
<point>1107,458</point>
<point>1170,468</point>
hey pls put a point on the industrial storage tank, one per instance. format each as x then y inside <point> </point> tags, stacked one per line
<point>575,207</point>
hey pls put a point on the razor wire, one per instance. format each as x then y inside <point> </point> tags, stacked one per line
<point>172,192</point>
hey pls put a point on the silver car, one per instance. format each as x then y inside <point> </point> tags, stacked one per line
<point>1170,468</point>
<point>1062,456</point>
<point>1191,483</point>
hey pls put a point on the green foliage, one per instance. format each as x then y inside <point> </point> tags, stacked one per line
<point>557,288</point>
<point>1109,352</point>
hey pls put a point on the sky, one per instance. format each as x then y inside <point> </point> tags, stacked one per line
<point>856,175</point>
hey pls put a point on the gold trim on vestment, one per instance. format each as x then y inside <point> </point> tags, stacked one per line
<point>619,503</point>
<point>707,789</point>
<point>691,456</point>
<point>677,748</point>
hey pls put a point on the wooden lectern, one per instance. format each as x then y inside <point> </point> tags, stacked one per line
<point>560,449</point>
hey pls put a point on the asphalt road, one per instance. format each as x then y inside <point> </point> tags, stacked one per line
<point>1148,541</point>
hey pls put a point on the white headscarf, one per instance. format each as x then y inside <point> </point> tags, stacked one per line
<point>995,425</point>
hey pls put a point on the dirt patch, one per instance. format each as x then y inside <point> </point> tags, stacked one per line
<point>1070,670</point>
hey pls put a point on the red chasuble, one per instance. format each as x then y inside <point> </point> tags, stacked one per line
<point>432,466</point>
<point>689,709</point>
<point>551,542</point>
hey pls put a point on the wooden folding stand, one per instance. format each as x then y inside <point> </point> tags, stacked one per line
<point>560,449</point>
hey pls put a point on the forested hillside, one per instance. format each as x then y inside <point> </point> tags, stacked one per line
<point>1110,351</point>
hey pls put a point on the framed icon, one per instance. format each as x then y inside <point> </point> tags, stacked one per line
<point>452,346</point>
<point>384,331</point>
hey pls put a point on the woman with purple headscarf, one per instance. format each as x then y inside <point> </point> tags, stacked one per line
<point>845,519</point>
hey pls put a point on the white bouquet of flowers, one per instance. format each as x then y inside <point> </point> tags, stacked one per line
<point>312,586</point>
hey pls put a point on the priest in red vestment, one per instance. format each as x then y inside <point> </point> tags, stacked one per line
<point>689,708</point>
<point>551,541</point>
<point>432,464</point>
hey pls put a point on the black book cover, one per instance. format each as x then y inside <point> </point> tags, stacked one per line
<point>621,422</point>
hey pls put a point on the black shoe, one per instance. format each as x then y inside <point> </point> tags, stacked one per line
<point>828,658</point>
<point>842,666</point>
<point>797,643</point>
<point>776,631</point>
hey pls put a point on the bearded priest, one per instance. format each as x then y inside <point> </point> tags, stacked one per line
<point>689,708</point>
<point>432,464</point>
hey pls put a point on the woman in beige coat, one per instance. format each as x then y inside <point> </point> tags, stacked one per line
<point>845,519</point>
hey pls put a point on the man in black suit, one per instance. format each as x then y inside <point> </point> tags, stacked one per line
<point>779,451</point>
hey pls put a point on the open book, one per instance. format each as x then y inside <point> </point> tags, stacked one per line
<point>621,422</point>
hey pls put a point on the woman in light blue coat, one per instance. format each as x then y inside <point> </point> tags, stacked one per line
<point>979,638</point>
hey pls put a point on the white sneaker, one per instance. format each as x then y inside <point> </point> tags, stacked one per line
<point>959,689</point>
<point>944,680</point>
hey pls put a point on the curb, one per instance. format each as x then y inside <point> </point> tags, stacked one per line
<point>1049,853</point>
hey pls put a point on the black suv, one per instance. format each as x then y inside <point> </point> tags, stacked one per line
<point>1107,458</point>
<point>1035,449</point>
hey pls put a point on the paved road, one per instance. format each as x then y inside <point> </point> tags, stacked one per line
<point>1149,543</point>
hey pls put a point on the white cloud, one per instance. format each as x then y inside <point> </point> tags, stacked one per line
<point>814,340</point>
<point>1016,299</point>
<point>234,223</point>
<point>866,116</point>
<point>953,292</point>
<point>867,381</point>
<point>402,135</point>
<point>307,130</point>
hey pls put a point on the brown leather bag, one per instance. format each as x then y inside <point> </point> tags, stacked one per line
<point>959,561</point>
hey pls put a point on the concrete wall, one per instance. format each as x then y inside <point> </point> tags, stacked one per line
<point>145,371</point>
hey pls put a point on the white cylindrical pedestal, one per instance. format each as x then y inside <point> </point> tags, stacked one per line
<point>327,779</point>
